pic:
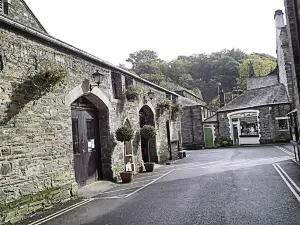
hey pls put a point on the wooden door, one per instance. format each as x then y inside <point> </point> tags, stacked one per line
<point>87,160</point>
<point>209,138</point>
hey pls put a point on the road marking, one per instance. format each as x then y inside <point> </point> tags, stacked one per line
<point>288,177</point>
<point>250,162</point>
<point>124,189</point>
<point>141,177</point>
<point>112,197</point>
<point>149,183</point>
<point>284,150</point>
<point>287,183</point>
<point>54,215</point>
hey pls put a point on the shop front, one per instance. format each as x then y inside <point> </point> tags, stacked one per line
<point>244,127</point>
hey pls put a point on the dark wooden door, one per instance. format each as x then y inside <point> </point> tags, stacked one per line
<point>87,160</point>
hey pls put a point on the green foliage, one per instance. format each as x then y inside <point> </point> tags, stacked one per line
<point>165,105</point>
<point>177,108</point>
<point>262,65</point>
<point>222,141</point>
<point>154,78</point>
<point>198,72</point>
<point>148,132</point>
<point>124,134</point>
<point>133,93</point>
<point>49,76</point>
<point>35,85</point>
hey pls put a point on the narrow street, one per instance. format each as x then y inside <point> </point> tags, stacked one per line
<point>250,185</point>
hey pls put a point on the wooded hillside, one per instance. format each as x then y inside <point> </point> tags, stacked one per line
<point>201,71</point>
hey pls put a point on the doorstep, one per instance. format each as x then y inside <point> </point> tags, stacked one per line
<point>95,188</point>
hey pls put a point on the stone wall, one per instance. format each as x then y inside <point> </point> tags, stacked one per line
<point>263,81</point>
<point>19,12</point>
<point>269,126</point>
<point>284,63</point>
<point>36,155</point>
<point>292,18</point>
<point>192,128</point>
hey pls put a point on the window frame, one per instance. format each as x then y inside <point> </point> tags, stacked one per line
<point>287,121</point>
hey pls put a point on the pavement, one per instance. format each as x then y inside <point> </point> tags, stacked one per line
<point>237,186</point>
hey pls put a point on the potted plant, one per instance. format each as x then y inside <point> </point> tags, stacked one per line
<point>132,93</point>
<point>147,132</point>
<point>125,134</point>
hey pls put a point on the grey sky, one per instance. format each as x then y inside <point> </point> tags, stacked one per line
<point>111,29</point>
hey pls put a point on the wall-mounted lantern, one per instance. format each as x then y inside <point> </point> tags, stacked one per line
<point>151,95</point>
<point>98,79</point>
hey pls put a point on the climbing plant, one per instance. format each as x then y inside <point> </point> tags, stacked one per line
<point>37,82</point>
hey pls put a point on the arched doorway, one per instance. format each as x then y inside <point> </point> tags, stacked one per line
<point>147,118</point>
<point>88,115</point>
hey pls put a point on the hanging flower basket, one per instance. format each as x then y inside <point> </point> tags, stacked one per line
<point>132,93</point>
<point>177,109</point>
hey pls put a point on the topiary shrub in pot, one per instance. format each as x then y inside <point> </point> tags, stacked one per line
<point>148,132</point>
<point>125,134</point>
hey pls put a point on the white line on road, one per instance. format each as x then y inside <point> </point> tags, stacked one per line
<point>290,179</point>
<point>54,215</point>
<point>149,183</point>
<point>284,150</point>
<point>123,189</point>
<point>287,183</point>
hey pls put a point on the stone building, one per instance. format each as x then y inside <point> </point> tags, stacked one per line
<point>290,37</point>
<point>192,120</point>
<point>54,140</point>
<point>260,114</point>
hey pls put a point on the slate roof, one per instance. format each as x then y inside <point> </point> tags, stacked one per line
<point>211,119</point>
<point>275,94</point>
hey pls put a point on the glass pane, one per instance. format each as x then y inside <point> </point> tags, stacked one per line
<point>283,124</point>
<point>91,134</point>
<point>75,136</point>
<point>128,148</point>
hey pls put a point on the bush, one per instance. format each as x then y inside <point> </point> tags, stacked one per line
<point>124,134</point>
<point>148,132</point>
<point>222,141</point>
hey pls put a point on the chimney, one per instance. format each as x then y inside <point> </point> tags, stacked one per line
<point>222,98</point>
<point>279,19</point>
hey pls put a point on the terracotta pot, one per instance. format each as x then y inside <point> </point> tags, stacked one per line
<point>149,167</point>
<point>126,177</point>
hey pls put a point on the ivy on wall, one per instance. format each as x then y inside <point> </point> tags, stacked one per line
<point>37,82</point>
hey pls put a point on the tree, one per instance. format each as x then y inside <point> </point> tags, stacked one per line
<point>261,66</point>
<point>154,78</point>
<point>143,56</point>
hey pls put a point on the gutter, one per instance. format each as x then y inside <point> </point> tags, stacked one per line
<point>57,42</point>
<point>271,104</point>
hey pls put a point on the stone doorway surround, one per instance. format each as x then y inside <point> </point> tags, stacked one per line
<point>147,118</point>
<point>104,107</point>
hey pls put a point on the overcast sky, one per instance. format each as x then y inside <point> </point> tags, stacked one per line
<point>111,29</point>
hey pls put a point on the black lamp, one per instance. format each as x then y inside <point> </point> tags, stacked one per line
<point>98,78</point>
<point>151,95</point>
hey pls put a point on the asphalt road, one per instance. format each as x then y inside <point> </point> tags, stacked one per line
<point>251,185</point>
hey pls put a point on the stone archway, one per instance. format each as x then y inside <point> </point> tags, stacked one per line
<point>147,118</point>
<point>92,143</point>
